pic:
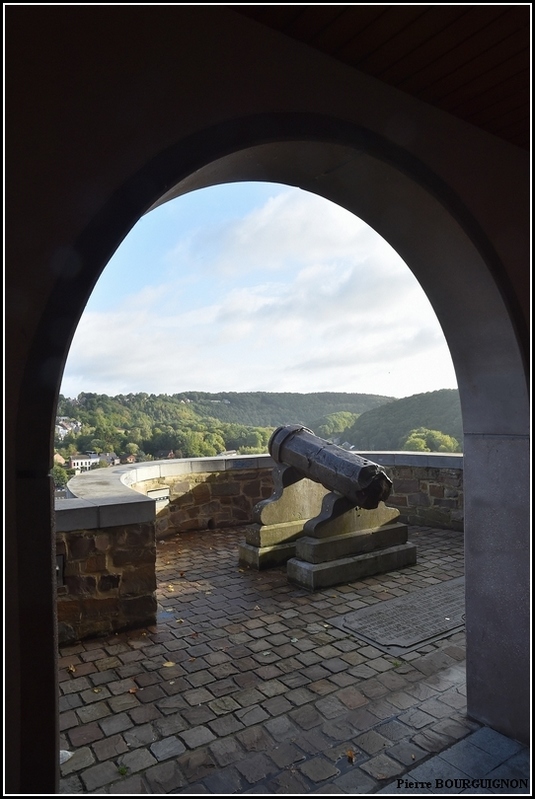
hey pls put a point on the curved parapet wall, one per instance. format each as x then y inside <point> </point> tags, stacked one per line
<point>222,491</point>
<point>106,531</point>
<point>119,494</point>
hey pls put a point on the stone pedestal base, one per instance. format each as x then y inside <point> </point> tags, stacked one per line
<point>346,570</point>
<point>358,542</point>
<point>322,537</point>
<point>265,557</point>
<point>269,545</point>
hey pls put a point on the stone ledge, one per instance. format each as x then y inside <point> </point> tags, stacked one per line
<point>428,460</point>
<point>84,514</point>
<point>108,497</point>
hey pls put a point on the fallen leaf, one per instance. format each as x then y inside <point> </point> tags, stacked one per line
<point>71,669</point>
<point>168,663</point>
<point>96,690</point>
<point>179,621</point>
<point>133,690</point>
<point>350,755</point>
<point>170,588</point>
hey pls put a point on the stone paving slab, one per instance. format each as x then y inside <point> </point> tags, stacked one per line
<point>245,685</point>
<point>405,623</point>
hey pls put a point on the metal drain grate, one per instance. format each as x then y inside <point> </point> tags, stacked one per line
<point>399,625</point>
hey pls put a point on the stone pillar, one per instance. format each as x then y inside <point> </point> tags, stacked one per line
<point>498,583</point>
<point>31,697</point>
<point>108,580</point>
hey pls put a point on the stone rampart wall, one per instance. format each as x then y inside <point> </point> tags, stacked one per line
<point>106,532</point>
<point>209,500</point>
<point>427,496</point>
<point>106,580</point>
<point>106,574</point>
<point>424,495</point>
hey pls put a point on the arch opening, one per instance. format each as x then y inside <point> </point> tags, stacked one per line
<point>278,289</point>
<point>463,284</point>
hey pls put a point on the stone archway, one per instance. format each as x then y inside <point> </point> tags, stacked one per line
<point>423,219</point>
<point>453,259</point>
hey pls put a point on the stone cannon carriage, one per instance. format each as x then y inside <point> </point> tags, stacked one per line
<point>326,517</point>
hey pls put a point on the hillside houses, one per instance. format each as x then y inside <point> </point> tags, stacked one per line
<point>91,460</point>
<point>64,426</point>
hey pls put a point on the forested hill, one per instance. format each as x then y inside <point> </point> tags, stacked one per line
<point>198,424</point>
<point>265,409</point>
<point>256,409</point>
<point>388,426</point>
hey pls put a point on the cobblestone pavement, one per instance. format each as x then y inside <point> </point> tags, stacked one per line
<point>244,686</point>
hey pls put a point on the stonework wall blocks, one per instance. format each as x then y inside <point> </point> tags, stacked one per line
<point>202,493</point>
<point>406,486</point>
<point>102,542</point>
<point>80,546</point>
<point>109,573</point>
<point>104,569</point>
<point>230,489</point>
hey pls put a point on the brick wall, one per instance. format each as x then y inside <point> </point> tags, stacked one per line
<point>427,496</point>
<point>203,501</point>
<point>106,541</point>
<point>106,580</point>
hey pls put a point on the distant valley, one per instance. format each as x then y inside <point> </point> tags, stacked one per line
<point>195,424</point>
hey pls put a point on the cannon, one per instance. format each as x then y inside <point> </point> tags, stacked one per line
<point>363,483</point>
<point>326,517</point>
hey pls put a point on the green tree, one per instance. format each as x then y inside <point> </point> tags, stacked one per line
<point>98,445</point>
<point>422,439</point>
<point>334,423</point>
<point>59,476</point>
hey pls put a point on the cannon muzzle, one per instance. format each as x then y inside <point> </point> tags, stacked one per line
<point>361,481</point>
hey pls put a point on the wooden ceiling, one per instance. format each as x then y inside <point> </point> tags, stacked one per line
<point>472,61</point>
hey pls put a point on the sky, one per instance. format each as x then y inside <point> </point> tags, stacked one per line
<point>256,287</point>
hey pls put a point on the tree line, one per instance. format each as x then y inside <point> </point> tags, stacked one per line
<point>200,424</point>
<point>428,422</point>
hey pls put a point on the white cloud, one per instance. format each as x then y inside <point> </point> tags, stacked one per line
<point>297,296</point>
<point>292,227</point>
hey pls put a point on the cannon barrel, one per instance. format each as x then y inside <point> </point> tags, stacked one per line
<point>359,480</point>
